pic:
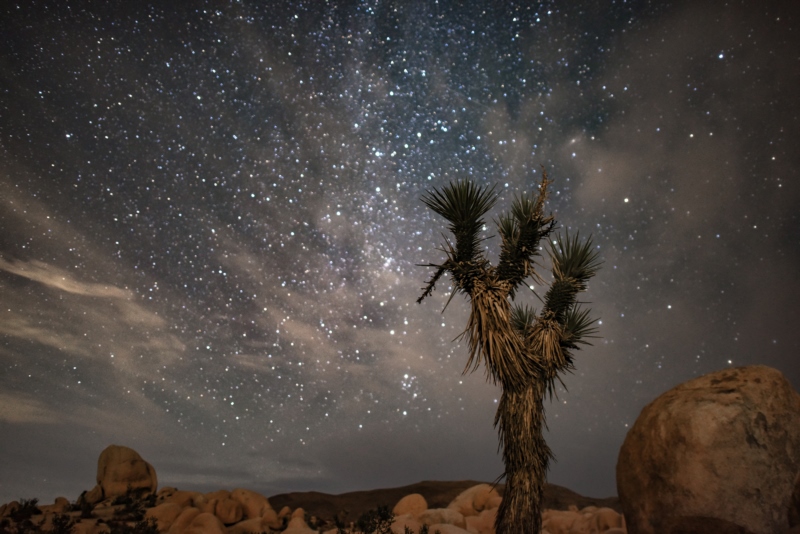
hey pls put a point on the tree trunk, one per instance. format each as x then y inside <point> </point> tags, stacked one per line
<point>520,418</point>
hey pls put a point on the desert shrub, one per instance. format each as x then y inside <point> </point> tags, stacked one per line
<point>122,500</point>
<point>24,527</point>
<point>134,503</point>
<point>83,506</point>
<point>27,509</point>
<point>376,521</point>
<point>145,526</point>
<point>130,497</point>
<point>5,526</point>
<point>86,509</point>
<point>62,524</point>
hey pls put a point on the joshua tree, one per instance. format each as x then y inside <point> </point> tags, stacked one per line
<point>523,350</point>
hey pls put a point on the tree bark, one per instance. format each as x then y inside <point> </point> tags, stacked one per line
<point>520,421</point>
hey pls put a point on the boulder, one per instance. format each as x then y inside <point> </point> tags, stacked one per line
<point>61,505</point>
<point>493,502</point>
<point>724,446</point>
<point>704,525</point>
<point>183,520</point>
<point>447,528</point>
<point>605,519</point>
<point>10,509</point>
<point>43,522</point>
<point>560,521</point>
<point>182,498</point>
<point>794,506</point>
<point>483,523</point>
<point>89,526</point>
<point>219,495</point>
<point>165,515</point>
<point>206,506</point>
<point>285,512</point>
<point>205,524</point>
<point>271,519</point>
<point>120,469</point>
<point>104,510</point>
<point>297,524</point>
<point>472,501</point>
<point>585,523</point>
<point>249,526</point>
<point>413,504</point>
<point>228,511</point>
<point>254,505</point>
<point>433,516</point>
<point>94,495</point>
<point>589,520</point>
<point>166,491</point>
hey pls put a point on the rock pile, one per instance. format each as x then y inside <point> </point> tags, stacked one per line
<point>126,495</point>
<point>474,511</point>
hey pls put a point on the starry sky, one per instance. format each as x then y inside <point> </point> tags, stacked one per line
<point>211,227</point>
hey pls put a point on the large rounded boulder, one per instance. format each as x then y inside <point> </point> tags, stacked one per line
<point>413,504</point>
<point>121,469</point>
<point>474,500</point>
<point>724,448</point>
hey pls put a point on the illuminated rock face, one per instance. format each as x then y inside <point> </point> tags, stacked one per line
<point>413,504</point>
<point>120,470</point>
<point>724,447</point>
<point>475,500</point>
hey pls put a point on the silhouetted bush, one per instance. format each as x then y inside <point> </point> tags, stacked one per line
<point>62,524</point>
<point>376,521</point>
<point>147,526</point>
<point>27,509</point>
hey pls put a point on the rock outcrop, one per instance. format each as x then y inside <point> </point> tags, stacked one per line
<point>297,524</point>
<point>165,515</point>
<point>723,448</point>
<point>254,505</point>
<point>475,500</point>
<point>588,520</point>
<point>413,504</point>
<point>121,470</point>
<point>205,523</point>
<point>434,516</point>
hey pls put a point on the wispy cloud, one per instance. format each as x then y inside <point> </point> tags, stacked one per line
<point>22,408</point>
<point>56,278</point>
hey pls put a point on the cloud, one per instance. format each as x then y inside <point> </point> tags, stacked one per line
<point>60,279</point>
<point>22,408</point>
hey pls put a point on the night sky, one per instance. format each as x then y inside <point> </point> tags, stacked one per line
<point>211,227</point>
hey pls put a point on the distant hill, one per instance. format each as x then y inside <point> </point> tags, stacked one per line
<point>438,494</point>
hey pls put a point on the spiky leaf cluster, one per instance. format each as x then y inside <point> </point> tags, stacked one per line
<point>521,230</point>
<point>574,263</point>
<point>578,326</point>
<point>522,319</point>
<point>463,204</point>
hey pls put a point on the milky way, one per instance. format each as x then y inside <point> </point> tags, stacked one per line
<point>211,227</point>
